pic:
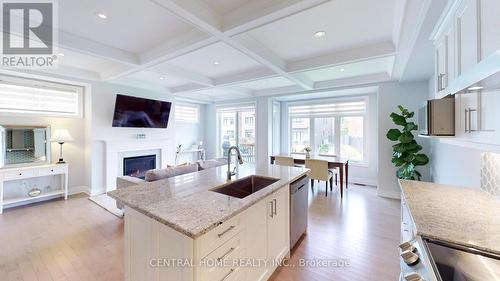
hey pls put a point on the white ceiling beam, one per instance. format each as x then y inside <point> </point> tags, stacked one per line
<point>183,73</point>
<point>278,91</point>
<point>365,53</point>
<point>353,81</point>
<point>92,48</point>
<point>259,12</point>
<point>243,77</point>
<point>74,72</point>
<point>188,88</point>
<point>345,85</point>
<point>194,98</point>
<point>192,42</point>
<point>413,20</point>
<point>195,12</point>
<point>399,13</point>
<point>191,13</point>
<point>177,46</point>
<point>258,52</point>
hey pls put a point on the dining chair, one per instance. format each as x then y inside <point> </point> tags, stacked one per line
<point>284,161</point>
<point>318,170</point>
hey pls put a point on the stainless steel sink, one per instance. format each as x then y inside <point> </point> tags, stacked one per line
<point>244,187</point>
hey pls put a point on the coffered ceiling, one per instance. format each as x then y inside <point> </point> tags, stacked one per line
<point>211,50</point>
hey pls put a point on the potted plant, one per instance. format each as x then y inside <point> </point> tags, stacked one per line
<point>406,156</point>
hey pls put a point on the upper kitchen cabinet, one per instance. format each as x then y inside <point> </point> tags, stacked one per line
<point>490,23</point>
<point>466,34</point>
<point>445,59</point>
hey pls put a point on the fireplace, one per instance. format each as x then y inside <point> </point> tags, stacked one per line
<point>137,166</point>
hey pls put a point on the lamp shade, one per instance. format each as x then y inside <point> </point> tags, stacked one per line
<point>61,135</point>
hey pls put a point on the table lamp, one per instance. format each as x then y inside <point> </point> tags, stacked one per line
<point>61,136</point>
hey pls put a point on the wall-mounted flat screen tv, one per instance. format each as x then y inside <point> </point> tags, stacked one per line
<point>134,112</point>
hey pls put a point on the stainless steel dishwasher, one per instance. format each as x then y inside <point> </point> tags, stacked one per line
<point>299,193</point>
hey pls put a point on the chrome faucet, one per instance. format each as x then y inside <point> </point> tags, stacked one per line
<point>240,160</point>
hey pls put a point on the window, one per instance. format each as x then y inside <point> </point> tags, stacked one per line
<point>237,128</point>
<point>24,96</point>
<point>352,137</point>
<point>249,120</point>
<point>187,113</point>
<point>300,134</point>
<point>329,128</point>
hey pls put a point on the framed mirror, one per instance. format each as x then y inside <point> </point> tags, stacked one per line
<point>23,145</point>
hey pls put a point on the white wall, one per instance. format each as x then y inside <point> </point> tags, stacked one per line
<point>103,102</point>
<point>411,96</point>
<point>77,152</point>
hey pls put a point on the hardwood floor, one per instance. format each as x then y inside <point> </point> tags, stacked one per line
<point>61,240</point>
<point>78,240</point>
<point>362,229</point>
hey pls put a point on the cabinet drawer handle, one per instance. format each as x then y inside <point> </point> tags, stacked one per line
<point>271,209</point>
<point>226,231</point>
<point>227,275</point>
<point>226,254</point>
<point>275,210</point>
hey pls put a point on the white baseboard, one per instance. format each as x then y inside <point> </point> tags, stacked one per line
<point>389,194</point>
<point>365,181</point>
<point>78,189</point>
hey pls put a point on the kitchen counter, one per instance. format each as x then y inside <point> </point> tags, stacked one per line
<point>465,216</point>
<point>186,204</point>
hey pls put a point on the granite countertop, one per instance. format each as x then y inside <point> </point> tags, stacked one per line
<point>185,203</point>
<point>465,216</point>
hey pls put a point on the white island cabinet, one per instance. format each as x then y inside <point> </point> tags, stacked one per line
<point>181,229</point>
<point>248,246</point>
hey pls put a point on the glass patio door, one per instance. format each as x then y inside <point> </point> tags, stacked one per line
<point>237,128</point>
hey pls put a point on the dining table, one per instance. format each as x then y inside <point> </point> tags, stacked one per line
<point>334,162</point>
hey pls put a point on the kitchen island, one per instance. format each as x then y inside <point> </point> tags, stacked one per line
<point>181,229</point>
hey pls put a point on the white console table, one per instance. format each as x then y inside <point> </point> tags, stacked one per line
<point>29,172</point>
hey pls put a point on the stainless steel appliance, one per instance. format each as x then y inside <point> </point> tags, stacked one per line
<point>437,117</point>
<point>434,260</point>
<point>299,197</point>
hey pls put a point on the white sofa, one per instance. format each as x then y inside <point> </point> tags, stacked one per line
<point>159,174</point>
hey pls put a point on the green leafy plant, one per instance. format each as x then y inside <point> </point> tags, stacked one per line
<point>406,154</point>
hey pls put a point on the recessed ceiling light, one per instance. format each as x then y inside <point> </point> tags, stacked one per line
<point>161,78</point>
<point>216,62</point>
<point>101,15</point>
<point>319,34</point>
<point>475,88</point>
<point>342,69</point>
<point>61,54</point>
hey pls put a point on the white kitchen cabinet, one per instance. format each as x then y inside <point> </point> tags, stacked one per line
<point>490,23</point>
<point>445,57</point>
<point>268,224</point>
<point>441,65</point>
<point>259,234</point>
<point>468,35</point>
<point>256,234</point>
<point>278,242</point>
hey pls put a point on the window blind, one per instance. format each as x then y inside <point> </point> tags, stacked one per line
<point>38,100</point>
<point>187,113</point>
<point>337,108</point>
<point>236,108</point>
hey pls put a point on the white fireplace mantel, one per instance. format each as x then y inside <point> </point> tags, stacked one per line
<point>117,149</point>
